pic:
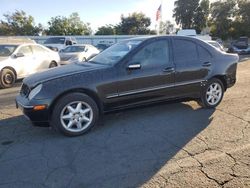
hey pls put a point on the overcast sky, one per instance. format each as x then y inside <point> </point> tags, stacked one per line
<point>97,13</point>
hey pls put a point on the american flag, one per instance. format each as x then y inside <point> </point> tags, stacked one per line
<point>158,13</point>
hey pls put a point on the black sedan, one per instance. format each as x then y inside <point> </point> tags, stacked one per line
<point>131,73</point>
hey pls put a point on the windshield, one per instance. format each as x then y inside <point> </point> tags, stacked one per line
<point>116,52</point>
<point>71,49</point>
<point>7,50</point>
<point>55,40</point>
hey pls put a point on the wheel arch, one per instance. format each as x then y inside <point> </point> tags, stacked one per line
<point>54,61</point>
<point>222,78</point>
<point>85,91</point>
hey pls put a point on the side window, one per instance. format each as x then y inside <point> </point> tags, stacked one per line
<point>204,53</point>
<point>38,49</point>
<point>25,50</point>
<point>153,54</point>
<point>185,52</point>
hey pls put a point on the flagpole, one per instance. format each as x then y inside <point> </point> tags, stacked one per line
<point>160,20</point>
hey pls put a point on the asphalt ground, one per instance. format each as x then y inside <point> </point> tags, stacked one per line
<point>166,145</point>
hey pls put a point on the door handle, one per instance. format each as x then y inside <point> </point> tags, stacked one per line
<point>169,69</point>
<point>207,64</point>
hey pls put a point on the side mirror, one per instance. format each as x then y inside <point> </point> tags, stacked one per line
<point>68,42</point>
<point>18,55</point>
<point>86,49</point>
<point>134,66</point>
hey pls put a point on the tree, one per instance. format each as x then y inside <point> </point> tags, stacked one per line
<point>166,28</point>
<point>201,16</point>
<point>106,30</point>
<point>61,25</point>
<point>18,23</point>
<point>184,12</point>
<point>222,14</point>
<point>243,18</point>
<point>134,24</point>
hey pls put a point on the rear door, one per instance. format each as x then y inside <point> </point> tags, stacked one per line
<point>192,65</point>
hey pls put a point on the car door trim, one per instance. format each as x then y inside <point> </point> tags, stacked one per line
<point>133,92</point>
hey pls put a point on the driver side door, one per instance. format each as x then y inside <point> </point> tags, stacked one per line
<point>148,76</point>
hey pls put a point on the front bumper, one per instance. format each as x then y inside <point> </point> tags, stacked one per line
<point>27,107</point>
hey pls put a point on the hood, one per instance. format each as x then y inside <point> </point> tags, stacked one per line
<point>60,72</point>
<point>3,58</point>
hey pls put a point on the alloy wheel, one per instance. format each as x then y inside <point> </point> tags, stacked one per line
<point>76,116</point>
<point>214,94</point>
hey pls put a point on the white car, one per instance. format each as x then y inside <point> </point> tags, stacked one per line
<point>216,45</point>
<point>59,43</point>
<point>79,52</point>
<point>18,60</point>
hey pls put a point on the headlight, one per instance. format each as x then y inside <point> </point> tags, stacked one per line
<point>35,91</point>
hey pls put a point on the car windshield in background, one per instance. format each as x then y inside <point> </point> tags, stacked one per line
<point>7,50</point>
<point>116,52</point>
<point>71,49</point>
<point>55,40</point>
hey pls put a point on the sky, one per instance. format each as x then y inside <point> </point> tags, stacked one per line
<point>97,13</point>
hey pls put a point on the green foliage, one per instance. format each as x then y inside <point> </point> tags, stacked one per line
<point>134,24</point>
<point>106,30</point>
<point>166,28</point>
<point>184,12</point>
<point>201,16</point>
<point>18,23</point>
<point>222,13</point>
<point>191,14</point>
<point>73,25</point>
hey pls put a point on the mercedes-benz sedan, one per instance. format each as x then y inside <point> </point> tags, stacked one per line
<point>130,73</point>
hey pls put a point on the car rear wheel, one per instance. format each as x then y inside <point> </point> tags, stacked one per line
<point>212,94</point>
<point>52,64</point>
<point>75,114</point>
<point>7,78</point>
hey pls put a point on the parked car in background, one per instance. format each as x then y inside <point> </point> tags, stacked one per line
<point>79,52</point>
<point>130,73</point>
<point>59,43</point>
<point>240,46</point>
<point>102,47</point>
<point>20,59</point>
<point>217,45</point>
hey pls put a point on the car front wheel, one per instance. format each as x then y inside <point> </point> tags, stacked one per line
<point>7,78</point>
<point>75,114</point>
<point>212,94</point>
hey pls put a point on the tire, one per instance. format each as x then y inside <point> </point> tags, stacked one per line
<point>7,78</point>
<point>74,114</point>
<point>52,64</point>
<point>212,94</point>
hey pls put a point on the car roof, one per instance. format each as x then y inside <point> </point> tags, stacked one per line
<point>143,38</point>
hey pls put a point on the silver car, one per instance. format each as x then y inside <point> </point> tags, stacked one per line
<point>79,52</point>
<point>18,60</point>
